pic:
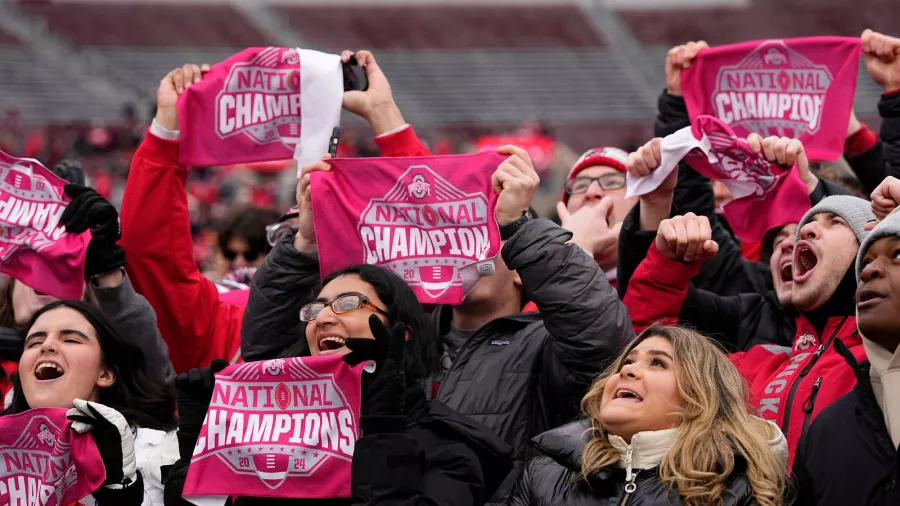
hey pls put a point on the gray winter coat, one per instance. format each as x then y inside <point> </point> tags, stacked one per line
<point>136,321</point>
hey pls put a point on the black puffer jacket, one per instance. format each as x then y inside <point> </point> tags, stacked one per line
<point>847,456</point>
<point>552,479</point>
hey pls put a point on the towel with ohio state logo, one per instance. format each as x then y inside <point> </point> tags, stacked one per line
<point>278,428</point>
<point>801,88</point>
<point>430,219</point>
<point>43,461</point>
<point>262,104</point>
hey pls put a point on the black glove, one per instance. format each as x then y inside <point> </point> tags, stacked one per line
<point>193,392</point>
<point>385,394</point>
<point>113,437</point>
<point>71,171</point>
<point>89,211</point>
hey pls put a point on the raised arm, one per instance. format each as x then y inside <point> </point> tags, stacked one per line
<point>585,322</point>
<point>393,135</point>
<point>156,235</point>
<point>882,58</point>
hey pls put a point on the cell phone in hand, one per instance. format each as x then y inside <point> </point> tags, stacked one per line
<point>355,76</point>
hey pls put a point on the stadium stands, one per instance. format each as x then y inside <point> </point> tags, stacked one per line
<point>8,39</point>
<point>452,65</point>
<point>443,27</point>
<point>147,25</point>
<point>761,19</point>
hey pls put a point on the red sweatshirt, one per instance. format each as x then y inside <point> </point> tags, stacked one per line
<point>156,232</point>
<point>788,385</point>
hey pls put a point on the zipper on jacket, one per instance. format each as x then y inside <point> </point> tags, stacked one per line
<point>810,403</point>
<point>808,367</point>
<point>630,487</point>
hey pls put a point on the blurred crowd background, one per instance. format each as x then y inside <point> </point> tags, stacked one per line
<point>78,77</point>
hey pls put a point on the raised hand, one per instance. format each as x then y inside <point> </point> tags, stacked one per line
<point>881,54</point>
<point>885,199</point>
<point>514,182</point>
<point>686,238</point>
<point>305,239</point>
<point>385,394</point>
<point>784,151</point>
<point>591,229</point>
<point>171,87</point>
<point>680,58</point>
<point>376,105</point>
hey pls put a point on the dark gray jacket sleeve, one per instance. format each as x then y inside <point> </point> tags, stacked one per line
<point>587,324</point>
<point>282,284</point>
<point>136,320</point>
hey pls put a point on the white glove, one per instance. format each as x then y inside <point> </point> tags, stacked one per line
<point>114,438</point>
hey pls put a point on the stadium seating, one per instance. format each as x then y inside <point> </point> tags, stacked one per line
<point>147,24</point>
<point>443,27</point>
<point>761,19</point>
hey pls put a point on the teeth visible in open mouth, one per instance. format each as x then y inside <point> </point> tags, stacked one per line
<point>627,394</point>
<point>787,271</point>
<point>806,260</point>
<point>48,371</point>
<point>331,342</point>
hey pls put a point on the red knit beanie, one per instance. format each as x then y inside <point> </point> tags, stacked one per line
<point>606,156</point>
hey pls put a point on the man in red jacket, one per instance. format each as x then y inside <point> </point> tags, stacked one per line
<point>786,356</point>
<point>193,319</point>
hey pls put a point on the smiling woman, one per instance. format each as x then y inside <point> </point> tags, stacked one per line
<point>342,308</point>
<point>667,420</point>
<point>74,357</point>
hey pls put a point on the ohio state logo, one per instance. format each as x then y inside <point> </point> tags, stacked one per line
<point>419,188</point>
<point>732,158</point>
<point>774,90</point>
<point>45,436</point>
<point>261,99</point>
<point>425,230</point>
<point>274,367</point>
<point>805,341</point>
<point>276,429</point>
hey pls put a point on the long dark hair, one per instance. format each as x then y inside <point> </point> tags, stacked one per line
<point>420,353</point>
<point>142,400</point>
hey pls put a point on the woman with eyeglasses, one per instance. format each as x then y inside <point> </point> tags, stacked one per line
<point>412,450</point>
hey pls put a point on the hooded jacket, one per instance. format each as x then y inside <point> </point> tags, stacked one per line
<point>553,477</point>
<point>847,456</point>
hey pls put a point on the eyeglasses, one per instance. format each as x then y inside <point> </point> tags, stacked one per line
<point>607,182</point>
<point>249,255</point>
<point>343,304</point>
<point>276,231</point>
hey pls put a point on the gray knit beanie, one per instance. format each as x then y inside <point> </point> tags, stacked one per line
<point>854,210</point>
<point>888,227</point>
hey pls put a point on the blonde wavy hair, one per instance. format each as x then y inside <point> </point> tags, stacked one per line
<point>714,425</point>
